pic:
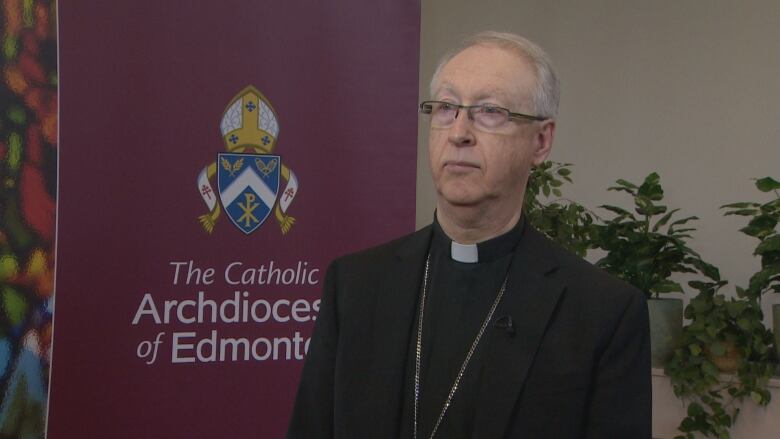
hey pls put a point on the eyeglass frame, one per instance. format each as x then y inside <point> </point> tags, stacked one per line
<point>469,111</point>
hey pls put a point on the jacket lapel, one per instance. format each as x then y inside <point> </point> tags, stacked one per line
<point>532,294</point>
<point>395,310</point>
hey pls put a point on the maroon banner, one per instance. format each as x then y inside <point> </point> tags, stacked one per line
<point>215,156</point>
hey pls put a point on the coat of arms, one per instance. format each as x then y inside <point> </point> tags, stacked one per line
<point>248,174</point>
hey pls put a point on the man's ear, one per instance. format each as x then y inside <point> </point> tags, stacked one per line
<point>543,141</point>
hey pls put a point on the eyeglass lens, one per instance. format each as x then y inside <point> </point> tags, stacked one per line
<point>486,116</point>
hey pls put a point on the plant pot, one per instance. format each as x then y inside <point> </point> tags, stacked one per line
<point>728,362</point>
<point>666,317</point>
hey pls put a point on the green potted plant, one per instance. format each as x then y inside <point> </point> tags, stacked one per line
<point>645,248</point>
<point>723,356</point>
<point>727,335</point>
<point>763,225</point>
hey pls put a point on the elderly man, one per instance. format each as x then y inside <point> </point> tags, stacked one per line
<point>478,326</point>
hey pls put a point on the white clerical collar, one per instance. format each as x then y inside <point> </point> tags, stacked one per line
<point>466,253</point>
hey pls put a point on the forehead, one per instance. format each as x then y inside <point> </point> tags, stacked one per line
<point>483,72</point>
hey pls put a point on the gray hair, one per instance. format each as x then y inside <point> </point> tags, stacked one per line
<point>548,90</point>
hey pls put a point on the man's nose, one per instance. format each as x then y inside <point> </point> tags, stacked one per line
<point>461,133</point>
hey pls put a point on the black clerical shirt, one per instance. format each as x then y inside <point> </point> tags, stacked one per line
<point>458,300</point>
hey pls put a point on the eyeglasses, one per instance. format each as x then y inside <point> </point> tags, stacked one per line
<point>485,116</point>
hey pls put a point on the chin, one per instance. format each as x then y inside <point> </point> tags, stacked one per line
<point>461,199</point>
<point>462,191</point>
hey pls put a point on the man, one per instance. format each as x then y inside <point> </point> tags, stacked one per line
<point>478,326</point>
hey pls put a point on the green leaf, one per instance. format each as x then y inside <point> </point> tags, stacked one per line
<point>743,212</point>
<point>744,205</point>
<point>769,244</point>
<point>626,183</point>
<point>652,179</point>
<point>767,184</point>
<point>694,409</point>
<point>667,286</point>
<point>621,189</point>
<point>735,308</point>
<point>695,349</point>
<point>683,221</point>
<point>645,206</point>
<point>665,219</point>
<point>756,397</point>
<point>760,280</point>
<point>710,370</point>
<point>772,206</point>
<point>650,188</point>
<point>756,232</point>
<point>706,269</point>
<point>617,210</point>
<point>760,226</point>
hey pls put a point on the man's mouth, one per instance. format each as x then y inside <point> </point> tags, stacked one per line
<point>460,166</point>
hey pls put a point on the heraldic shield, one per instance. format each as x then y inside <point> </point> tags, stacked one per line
<point>248,187</point>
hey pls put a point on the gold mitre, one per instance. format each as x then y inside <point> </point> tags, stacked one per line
<point>249,123</point>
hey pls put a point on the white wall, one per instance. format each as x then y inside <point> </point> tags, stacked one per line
<point>690,89</point>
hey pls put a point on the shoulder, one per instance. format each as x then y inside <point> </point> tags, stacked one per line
<point>583,279</point>
<point>593,302</point>
<point>376,259</point>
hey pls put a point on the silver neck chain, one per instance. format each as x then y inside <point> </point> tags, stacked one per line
<point>418,351</point>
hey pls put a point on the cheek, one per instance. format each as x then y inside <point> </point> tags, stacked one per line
<point>508,166</point>
<point>435,149</point>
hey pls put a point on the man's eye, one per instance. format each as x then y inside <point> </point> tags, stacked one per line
<point>489,109</point>
<point>444,106</point>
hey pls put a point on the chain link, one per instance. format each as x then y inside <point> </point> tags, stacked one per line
<point>418,351</point>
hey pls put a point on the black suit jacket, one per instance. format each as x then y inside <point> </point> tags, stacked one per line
<point>577,366</point>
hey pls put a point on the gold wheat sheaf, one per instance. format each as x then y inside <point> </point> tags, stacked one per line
<point>232,169</point>
<point>265,169</point>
